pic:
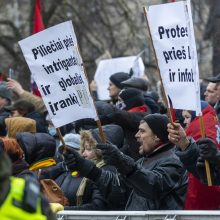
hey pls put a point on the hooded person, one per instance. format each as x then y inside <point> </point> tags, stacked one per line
<point>131,100</point>
<point>115,85</point>
<point>13,191</point>
<point>16,155</point>
<point>39,150</point>
<point>198,194</point>
<point>142,85</point>
<point>158,180</point>
<point>19,124</point>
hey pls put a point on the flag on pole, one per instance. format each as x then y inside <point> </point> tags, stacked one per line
<point>38,21</point>
<point>38,26</point>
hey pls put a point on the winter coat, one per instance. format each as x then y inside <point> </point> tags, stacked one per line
<point>129,121</point>
<point>158,182</point>
<point>19,124</point>
<point>40,122</point>
<point>153,107</point>
<point>35,100</point>
<point>39,147</point>
<point>5,173</point>
<point>217,109</point>
<point>198,194</point>
<point>3,115</point>
<point>113,134</point>
<point>92,198</point>
<point>36,146</point>
<point>189,158</point>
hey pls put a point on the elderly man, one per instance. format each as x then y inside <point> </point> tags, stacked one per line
<point>158,180</point>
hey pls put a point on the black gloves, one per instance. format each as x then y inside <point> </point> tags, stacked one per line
<point>113,156</point>
<point>208,151</point>
<point>75,161</point>
<point>201,171</point>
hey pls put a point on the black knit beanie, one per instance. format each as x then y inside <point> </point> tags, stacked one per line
<point>117,78</point>
<point>132,98</point>
<point>158,124</point>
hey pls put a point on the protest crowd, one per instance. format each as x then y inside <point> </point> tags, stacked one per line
<point>144,155</point>
<point>147,163</point>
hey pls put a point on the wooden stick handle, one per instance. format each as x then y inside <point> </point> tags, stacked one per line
<point>101,133</point>
<point>61,139</point>
<point>158,69</point>
<point>207,166</point>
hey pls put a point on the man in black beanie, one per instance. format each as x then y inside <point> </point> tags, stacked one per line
<point>158,179</point>
<point>115,85</point>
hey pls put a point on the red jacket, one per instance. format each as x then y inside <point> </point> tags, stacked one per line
<point>142,108</point>
<point>200,196</point>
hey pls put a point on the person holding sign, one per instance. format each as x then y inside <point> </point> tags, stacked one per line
<point>193,154</point>
<point>198,193</point>
<point>158,180</point>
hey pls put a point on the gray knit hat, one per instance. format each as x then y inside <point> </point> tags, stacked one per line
<point>71,140</point>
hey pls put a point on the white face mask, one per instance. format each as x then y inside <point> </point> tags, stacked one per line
<point>120,105</point>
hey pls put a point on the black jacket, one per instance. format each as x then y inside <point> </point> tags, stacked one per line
<point>189,159</point>
<point>129,121</point>
<point>3,115</point>
<point>92,198</point>
<point>40,121</point>
<point>158,182</point>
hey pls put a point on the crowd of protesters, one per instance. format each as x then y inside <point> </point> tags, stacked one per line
<point>147,163</point>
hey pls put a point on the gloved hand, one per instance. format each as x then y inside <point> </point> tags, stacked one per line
<point>201,170</point>
<point>113,156</point>
<point>208,151</point>
<point>75,162</point>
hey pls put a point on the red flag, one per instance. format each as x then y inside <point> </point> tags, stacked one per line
<point>38,26</point>
<point>38,21</point>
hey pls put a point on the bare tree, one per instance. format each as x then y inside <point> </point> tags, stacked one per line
<point>114,25</point>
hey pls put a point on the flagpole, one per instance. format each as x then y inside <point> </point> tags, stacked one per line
<point>158,69</point>
<point>207,166</point>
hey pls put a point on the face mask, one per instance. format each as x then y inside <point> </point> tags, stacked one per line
<point>52,131</point>
<point>120,105</point>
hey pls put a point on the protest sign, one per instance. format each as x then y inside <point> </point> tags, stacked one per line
<point>110,66</point>
<point>172,34</point>
<point>54,60</point>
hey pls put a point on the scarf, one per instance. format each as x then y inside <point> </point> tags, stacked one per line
<point>82,186</point>
<point>45,163</point>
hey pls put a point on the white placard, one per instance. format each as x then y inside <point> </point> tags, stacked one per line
<point>110,66</point>
<point>54,60</point>
<point>172,33</point>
